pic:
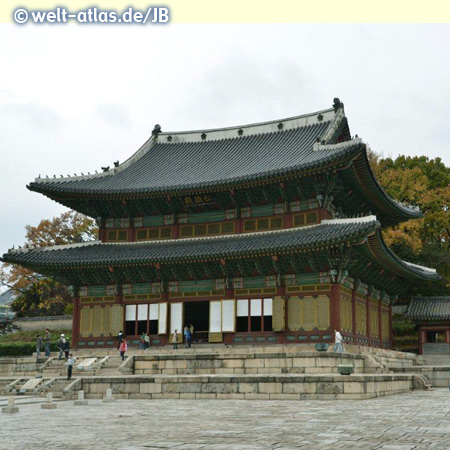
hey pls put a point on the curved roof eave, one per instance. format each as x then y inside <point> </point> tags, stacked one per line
<point>377,251</point>
<point>361,178</point>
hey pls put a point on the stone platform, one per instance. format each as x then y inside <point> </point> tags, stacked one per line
<point>249,387</point>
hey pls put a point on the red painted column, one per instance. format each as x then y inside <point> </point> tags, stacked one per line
<point>354,315</point>
<point>335,307</point>
<point>75,322</point>
<point>380,316</point>
<point>131,234</point>
<point>391,335</point>
<point>368,319</point>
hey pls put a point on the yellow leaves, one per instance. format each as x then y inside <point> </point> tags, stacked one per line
<point>407,233</point>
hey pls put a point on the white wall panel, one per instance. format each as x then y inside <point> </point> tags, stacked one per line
<point>255,307</point>
<point>142,312</point>
<point>215,316</point>
<point>176,317</point>
<point>162,318</point>
<point>154,311</point>
<point>267,306</point>
<point>242,308</point>
<point>130,312</point>
<point>228,315</point>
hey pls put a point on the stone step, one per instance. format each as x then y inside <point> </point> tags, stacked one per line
<point>251,387</point>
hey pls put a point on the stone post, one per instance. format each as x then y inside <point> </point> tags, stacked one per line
<point>49,402</point>
<point>81,401</point>
<point>109,397</point>
<point>11,408</point>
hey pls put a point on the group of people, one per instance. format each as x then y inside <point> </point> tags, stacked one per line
<point>43,342</point>
<point>188,334</point>
<point>63,345</point>
<point>144,342</point>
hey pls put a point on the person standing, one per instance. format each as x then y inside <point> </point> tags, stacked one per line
<point>70,362</point>
<point>147,340</point>
<point>66,348</point>
<point>60,345</point>
<point>338,342</point>
<point>175,340</point>
<point>187,337</point>
<point>38,346</point>
<point>123,348</point>
<point>119,339</point>
<point>191,329</point>
<point>47,339</point>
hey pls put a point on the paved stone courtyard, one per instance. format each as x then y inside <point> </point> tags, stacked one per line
<point>417,420</point>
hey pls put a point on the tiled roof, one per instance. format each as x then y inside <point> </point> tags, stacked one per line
<point>429,308</point>
<point>177,165</point>
<point>194,249</point>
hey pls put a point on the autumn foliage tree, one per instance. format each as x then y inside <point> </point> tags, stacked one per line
<point>39,295</point>
<point>422,182</point>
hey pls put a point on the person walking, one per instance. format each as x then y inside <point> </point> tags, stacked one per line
<point>175,340</point>
<point>147,340</point>
<point>119,339</point>
<point>70,362</point>
<point>47,339</point>
<point>338,342</point>
<point>38,346</point>
<point>66,348</point>
<point>123,348</point>
<point>187,337</point>
<point>60,345</point>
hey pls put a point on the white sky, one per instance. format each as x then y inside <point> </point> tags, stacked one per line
<point>75,98</point>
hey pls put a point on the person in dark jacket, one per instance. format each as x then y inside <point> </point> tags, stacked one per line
<point>66,348</point>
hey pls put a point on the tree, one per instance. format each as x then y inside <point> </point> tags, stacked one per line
<point>39,295</point>
<point>423,182</point>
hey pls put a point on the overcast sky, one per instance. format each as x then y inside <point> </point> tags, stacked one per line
<point>75,98</point>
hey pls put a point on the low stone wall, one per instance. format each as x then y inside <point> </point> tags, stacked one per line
<point>437,376</point>
<point>41,323</point>
<point>246,363</point>
<point>249,387</point>
<point>17,366</point>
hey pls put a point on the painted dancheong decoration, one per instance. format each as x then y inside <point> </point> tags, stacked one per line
<point>264,233</point>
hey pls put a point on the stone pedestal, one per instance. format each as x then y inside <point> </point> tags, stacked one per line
<point>109,397</point>
<point>11,408</point>
<point>49,402</point>
<point>49,406</point>
<point>81,400</point>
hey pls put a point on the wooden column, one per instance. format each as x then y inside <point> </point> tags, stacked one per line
<point>335,307</point>
<point>391,335</point>
<point>75,322</point>
<point>368,331</point>
<point>380,329</point>
<point>355,333</point>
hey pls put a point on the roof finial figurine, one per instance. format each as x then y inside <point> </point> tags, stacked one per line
<point>116,163</point>
<point>156,131</point>
<point>105,169</point>
<point>337,104</point>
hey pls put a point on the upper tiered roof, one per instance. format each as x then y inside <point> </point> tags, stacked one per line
<point>207,160</point>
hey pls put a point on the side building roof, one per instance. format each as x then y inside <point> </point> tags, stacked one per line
<point>429,308</point>
<point>180,162</point>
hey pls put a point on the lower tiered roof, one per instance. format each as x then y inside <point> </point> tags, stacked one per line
<point>354,245</point>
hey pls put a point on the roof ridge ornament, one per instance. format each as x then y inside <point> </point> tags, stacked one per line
<point>337,104</point>
<point>156,130</point>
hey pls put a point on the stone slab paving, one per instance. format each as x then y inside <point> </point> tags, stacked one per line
<point>416,420</point>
